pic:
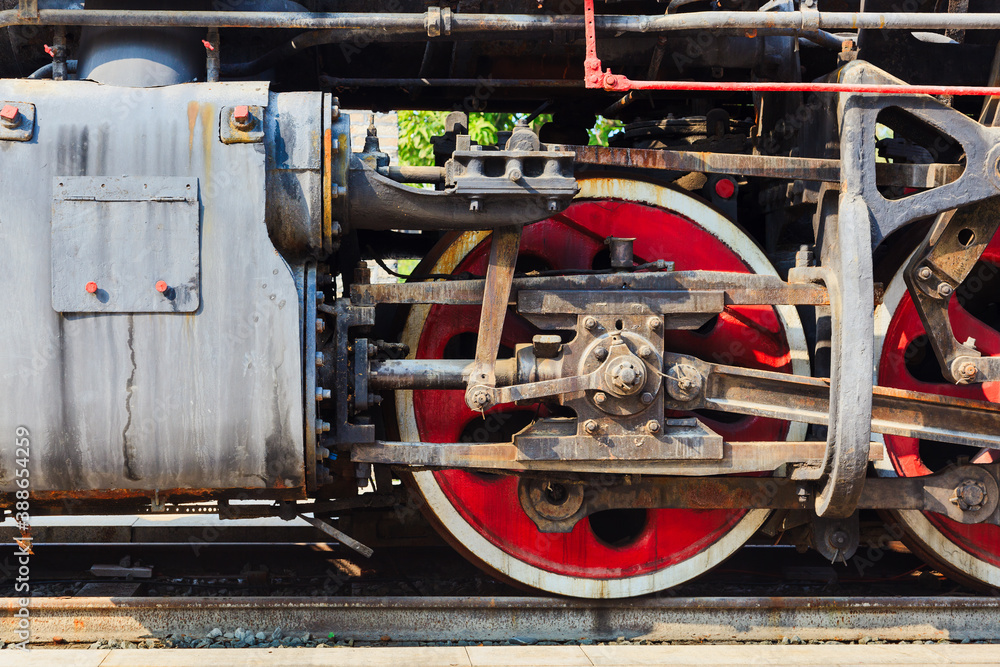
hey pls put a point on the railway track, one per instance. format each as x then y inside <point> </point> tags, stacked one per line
<point>524,620</point>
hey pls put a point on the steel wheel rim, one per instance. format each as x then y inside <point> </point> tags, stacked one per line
<point>487,552</point>
<point>936,538</point>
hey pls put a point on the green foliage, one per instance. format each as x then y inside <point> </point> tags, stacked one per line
<point>602,130</point>
<point>417,127</point>
<point>415,131</point>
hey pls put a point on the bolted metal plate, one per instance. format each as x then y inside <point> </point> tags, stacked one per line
<point>230,132</point>
<point>22,127</point>
<point>135,239</point>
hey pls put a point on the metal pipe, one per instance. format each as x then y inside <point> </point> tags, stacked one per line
<point>806,23</point>
<point>45,71</point>
<point>416,174</point>
<point>372,82</point>
<point>391,374</point>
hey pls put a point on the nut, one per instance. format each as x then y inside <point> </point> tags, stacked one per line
<point>645,352</point>
<point>655,323</point>
<point>591,426</point>
<point>242,118</point>
<point>653,426</point>
<point>600,397</point>
<point>646,398</point>
<point>481,398</point>
<point>968,370</point>
<point>589,323</point>
<point>944,289</point>
<point>10,116</point>
<point>970,496</point>
<point>924,273</point>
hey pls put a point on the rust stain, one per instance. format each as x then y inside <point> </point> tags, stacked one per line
<point>192,121</point>
<point>328,180</point>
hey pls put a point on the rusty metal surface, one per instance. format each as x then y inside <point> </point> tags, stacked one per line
<point>737,457</point>
<point>119,404</point>
<point>500,618</point>
<point>798,398</point>
<point>765,166</point>
<point>739,288</point>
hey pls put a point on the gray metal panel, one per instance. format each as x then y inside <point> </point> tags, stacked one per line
<point>117,401</point>
<point>128,236</point>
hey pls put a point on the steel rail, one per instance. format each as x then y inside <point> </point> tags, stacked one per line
<point>500,618</point>
<point>731,21</point>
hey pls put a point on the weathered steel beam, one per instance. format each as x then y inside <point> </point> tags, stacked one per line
<point>762,166</point>
<point>741,289</point>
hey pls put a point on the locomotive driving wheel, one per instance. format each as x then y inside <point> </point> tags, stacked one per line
<point>905,360</point>
<point>615,553</point>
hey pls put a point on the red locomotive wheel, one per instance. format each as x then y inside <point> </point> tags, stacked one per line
<point>906,361</point>
<point>622,552</point>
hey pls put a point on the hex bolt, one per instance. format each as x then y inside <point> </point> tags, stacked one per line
<point>589,323</point>
<point>320,325</point>
<point>600,353</point>
<point>653,426</point>
<point>320,359</point>
<point>161,286</point>
<point>646,398</point>
<point>645,352</point>
<point>322,426</point>
<point>374,399</point>
<point>655,323</point>
<point>944,289</point>
<point>514,175</point>
<point>242,117</point>
<point>803,493</point>
<point>10,116</point>
<point>924,273</point>
<point>591,426</point>
<point>600,397</point>
<point>91,287</point>
<point>322,394</point>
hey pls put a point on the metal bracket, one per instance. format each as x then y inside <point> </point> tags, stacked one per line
<point>346,317</point>
<point>937,268</point>
<point>17,121</point>
<point>243,124</point>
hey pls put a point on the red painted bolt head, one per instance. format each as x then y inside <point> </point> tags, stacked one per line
<point>161,286</point>
<point>91,287</point>
<point>725,188</point>
<point>241,114</point>
<point>9,112</point>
